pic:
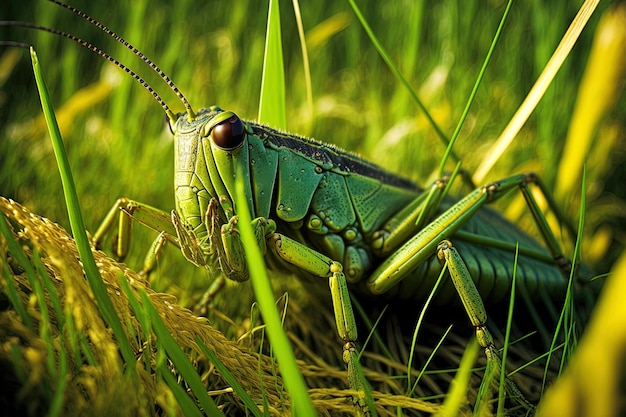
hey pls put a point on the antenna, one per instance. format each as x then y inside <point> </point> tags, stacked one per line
<point>136,51</point>
<point>93,48</point>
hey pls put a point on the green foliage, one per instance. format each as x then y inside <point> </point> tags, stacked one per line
<point>115,132</point>
<point>118,146</point>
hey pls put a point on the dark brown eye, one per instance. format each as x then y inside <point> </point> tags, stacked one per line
<point>229,134</point>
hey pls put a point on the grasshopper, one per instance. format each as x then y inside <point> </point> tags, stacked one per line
<point>317,210</point>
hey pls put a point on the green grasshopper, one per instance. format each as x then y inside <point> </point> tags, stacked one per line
<point>326,213</point>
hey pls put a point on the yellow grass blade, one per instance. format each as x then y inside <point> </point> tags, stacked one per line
<point>600,88</point>
<point>537,92</point>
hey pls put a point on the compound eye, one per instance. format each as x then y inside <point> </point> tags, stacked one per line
<point>229,134</point>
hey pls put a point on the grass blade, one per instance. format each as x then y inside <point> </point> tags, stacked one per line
<point>182,398</point>
<point>470,100</point>
<point>230,378</point>
<point>507,337</point>
<point>396,72</point>
<point>536,93</point>
<point>177,356</point>
<point>21,258</point>
<point>458,388</point>
<point>305,60</point>
<point>272,103</point>
<point>294,382</point>
<point>600,88</point>
<point>76,221</point>
<point>592,384</point>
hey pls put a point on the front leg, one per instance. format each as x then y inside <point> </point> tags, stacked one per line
<point>315,263</point>
<point>220,248</point>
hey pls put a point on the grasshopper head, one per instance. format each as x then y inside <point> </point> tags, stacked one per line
<point>210,155</point>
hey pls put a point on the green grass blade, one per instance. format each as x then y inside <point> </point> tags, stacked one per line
<point>418,325</point>
<point>177,356</point>
<point>18,364</point>
<point>396,72</point>
<point>76,221</point>
<point>294,381</point>
<point>429,360</point>
<point>185,402</point>
<point>230,378</point>
<point>272,103</point>
<point>507,338</point>
<point>18,254</point>
<point>566,313</point>
<point>51,291</point>
<point>470,100</point>
<point>373,331</point>
<point>58,399</point>
<point>458,388</point>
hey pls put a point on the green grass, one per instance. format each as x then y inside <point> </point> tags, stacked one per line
<point>359,104</point>
<point>117,145</point>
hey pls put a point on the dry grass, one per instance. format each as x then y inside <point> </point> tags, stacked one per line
<point>94,380</point>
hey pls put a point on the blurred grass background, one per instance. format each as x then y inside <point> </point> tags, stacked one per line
<point>213,51</point>
<point>118,144</point>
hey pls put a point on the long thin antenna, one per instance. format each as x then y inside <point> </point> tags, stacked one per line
<point>136,51</point>
<point>14,44</point>
<point>93,48</point>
